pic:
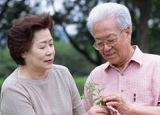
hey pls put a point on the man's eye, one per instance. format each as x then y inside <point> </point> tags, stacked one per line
<point>100,44</point>
<point>111,40</point>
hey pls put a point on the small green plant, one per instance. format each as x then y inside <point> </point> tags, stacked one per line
<point>93,91</point>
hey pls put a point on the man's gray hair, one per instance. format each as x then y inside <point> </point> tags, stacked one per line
<point>119,11</point>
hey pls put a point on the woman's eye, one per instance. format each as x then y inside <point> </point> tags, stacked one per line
<point>50,44</point>
<point>42,47</point>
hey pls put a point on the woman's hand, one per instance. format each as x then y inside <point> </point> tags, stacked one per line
<point>98,110</point>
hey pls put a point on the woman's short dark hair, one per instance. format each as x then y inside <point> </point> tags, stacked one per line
<point>22,32</point>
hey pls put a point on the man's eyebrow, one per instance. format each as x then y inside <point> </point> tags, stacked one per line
<point>107,36</point>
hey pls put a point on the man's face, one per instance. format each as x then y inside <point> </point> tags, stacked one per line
<point>106,29</point>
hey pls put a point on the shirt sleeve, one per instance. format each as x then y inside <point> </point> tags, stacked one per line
<point>15,103</point>
<point>156,82</point>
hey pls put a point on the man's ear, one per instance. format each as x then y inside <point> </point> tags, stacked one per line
<point>128,34</point>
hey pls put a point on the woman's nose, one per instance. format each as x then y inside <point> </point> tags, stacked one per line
<point>49,50</point>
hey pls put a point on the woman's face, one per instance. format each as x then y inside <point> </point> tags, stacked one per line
<point>41,54</point>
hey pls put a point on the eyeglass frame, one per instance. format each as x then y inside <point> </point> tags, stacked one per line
<point>109,44</point>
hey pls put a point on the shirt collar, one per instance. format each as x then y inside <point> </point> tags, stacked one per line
<point>136,57</point>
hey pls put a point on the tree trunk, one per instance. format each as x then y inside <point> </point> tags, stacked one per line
<point>142,26</point>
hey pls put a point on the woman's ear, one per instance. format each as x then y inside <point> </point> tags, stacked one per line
<point>23,55</point>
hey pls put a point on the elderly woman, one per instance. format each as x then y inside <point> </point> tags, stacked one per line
<point>37,86</point>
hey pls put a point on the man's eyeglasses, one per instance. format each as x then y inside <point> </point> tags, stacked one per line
<point>111,41</point>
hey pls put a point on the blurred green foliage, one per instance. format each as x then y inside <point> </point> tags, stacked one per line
<point>66,55</point>
<point>80,81</point>
<point>7,65</point>
<point>1,81</point>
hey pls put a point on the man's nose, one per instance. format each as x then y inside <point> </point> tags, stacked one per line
<point>106,46</point>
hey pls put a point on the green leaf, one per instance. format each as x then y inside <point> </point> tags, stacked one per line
<point>96,99</point>
<point>103,103</point>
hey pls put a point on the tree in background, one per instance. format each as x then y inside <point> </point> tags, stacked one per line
<point>145,15</point>
<point>7,65</point>
<point>9,11</point>
<point>66,55</point>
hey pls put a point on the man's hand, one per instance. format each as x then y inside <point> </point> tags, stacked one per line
<point>117,102</point>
